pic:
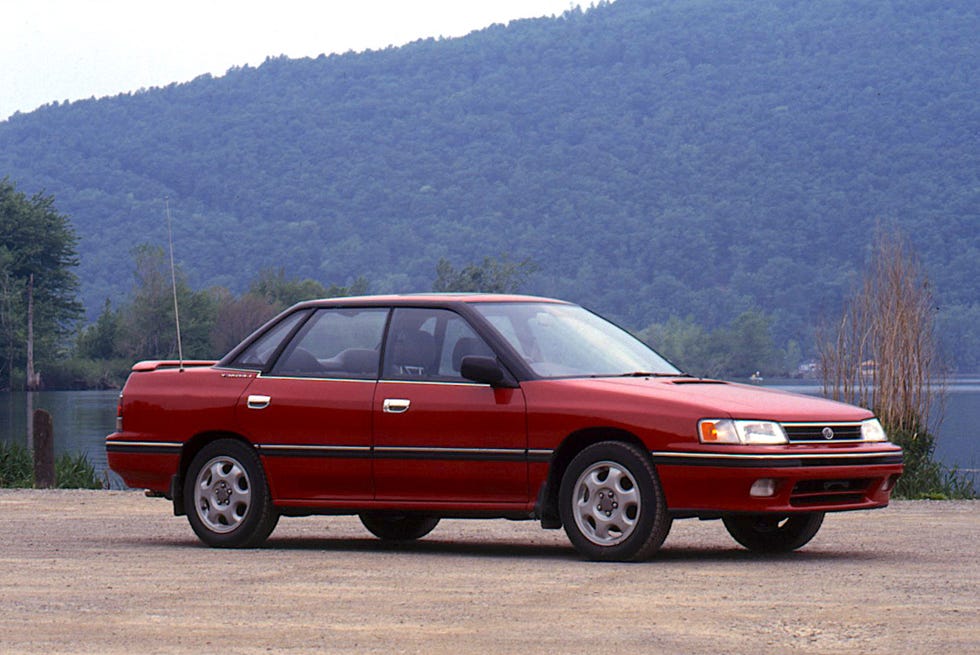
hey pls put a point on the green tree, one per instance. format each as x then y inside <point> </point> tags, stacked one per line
<point>11,313</point>
<point>148,328</point>
<point>358,287</point>
<point>492,276</point>
<point>683,342</point>
<point>738,350</point>
<point>101,339</point>
<point>35,240</point>
<point>750,346</point>
<point>282,292</point>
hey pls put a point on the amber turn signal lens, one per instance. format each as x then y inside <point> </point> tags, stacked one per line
<point>708,431</point>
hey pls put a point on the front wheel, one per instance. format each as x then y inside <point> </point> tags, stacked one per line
<point>765,533</point>
<point>611,503</point>
<point>226,496</point>
<point>398,527</point>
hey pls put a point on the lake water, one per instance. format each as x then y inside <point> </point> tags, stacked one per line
<point>958,440</point>
<point>82,419</point>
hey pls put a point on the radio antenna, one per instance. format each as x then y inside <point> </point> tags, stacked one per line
<point>173,284</point>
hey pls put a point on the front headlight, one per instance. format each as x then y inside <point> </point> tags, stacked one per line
<point>871,430</point>
<point>749,433</point>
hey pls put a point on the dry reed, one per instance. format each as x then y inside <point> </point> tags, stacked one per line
<point>883,354</point>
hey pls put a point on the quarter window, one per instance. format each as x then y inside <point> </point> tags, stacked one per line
<point>258,355</point>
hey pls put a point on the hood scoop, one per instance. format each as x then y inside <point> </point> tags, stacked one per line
<point>697,381</point>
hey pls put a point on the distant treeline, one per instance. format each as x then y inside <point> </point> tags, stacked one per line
<point>215,320</point>
<point>680,164</point>
<point>41,331</point>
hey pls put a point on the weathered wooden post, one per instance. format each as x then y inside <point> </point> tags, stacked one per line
<point>43,450</point>
<point>29,419</point>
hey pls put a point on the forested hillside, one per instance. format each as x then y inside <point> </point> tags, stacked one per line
<point>652,158</point>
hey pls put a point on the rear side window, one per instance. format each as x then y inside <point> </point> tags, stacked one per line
<point>259,354</point>
<point>336,343</point>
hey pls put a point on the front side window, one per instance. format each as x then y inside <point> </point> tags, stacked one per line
<point>558,340</point>
<point>336,343</point>
<point>430,344</point>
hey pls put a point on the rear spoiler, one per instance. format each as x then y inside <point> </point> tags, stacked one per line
<point>153,365</point>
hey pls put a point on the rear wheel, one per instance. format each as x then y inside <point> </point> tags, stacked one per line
<point>226,496</point>
<point>766,533</point>
<point>611,503</point>
<point>398,527</point>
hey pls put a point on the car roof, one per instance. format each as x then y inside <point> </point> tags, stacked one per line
<point>416,299</point>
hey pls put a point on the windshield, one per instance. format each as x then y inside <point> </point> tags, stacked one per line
<point>558,340</point>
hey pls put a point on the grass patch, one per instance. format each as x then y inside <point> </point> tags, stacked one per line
<point>71,471</point>
<point>75,472</point>
<point>16,467</point>
<point>924,477</point>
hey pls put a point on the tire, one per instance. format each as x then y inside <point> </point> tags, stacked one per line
<point>612,505</point>
<point>227,498</point>
<point>399,527</point>
<point>765,533</point>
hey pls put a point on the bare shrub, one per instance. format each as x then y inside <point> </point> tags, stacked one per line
<point>883,354</point>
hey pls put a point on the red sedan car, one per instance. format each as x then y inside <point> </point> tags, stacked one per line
<point>408,409</point>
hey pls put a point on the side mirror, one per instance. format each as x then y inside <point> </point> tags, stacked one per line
<point>485,370</point>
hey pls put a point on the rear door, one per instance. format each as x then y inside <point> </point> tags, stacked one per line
<point>437,436</point>
<point>310,415</point>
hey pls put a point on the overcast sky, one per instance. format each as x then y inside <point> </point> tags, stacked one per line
<point>75,49</point>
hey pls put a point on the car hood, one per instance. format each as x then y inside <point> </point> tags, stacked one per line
<point>716,398</point>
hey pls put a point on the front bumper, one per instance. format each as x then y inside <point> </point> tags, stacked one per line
<point>703,482</point>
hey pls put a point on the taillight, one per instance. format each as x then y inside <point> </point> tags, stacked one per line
<point>119,414</point>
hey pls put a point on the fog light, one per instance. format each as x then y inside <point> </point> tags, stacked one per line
<point>889,483</point>
<point>763,488</point>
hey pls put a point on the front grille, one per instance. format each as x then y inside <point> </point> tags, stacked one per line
<point>829,492</point>
<point>814,432</point>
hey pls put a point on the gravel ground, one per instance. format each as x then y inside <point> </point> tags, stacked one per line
<point>115,572</point>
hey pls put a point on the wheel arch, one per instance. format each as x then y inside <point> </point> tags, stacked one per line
<point>546,507</point>
<point>191,448</point>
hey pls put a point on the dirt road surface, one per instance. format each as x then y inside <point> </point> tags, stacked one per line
<point>115,572</point>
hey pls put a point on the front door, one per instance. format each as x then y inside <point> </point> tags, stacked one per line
<point>437,436</point>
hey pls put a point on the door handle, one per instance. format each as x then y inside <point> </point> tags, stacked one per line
<point>396,405</point>
<point>258,402</point>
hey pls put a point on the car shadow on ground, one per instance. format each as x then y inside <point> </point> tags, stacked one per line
<point>736,554</point>
<point>518,550</point>
<point>426,546</point>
